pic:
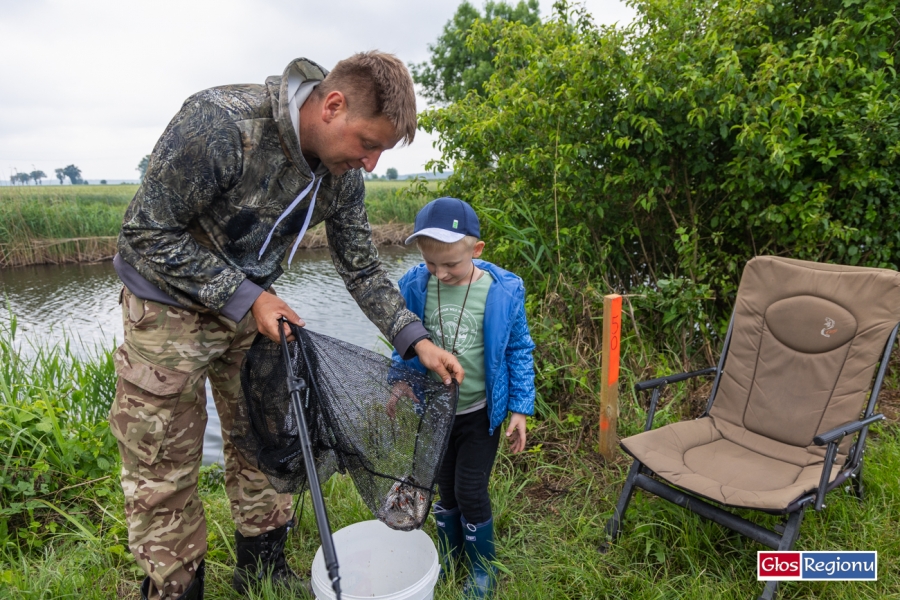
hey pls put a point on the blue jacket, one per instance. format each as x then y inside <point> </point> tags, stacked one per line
<point>509,367</point>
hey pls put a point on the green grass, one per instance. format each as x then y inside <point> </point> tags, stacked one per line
<point>57,457</point>
<point>54,224</point>
<point>42,212</point>
<point>549,517</point>
<point>550,506</point>
<point>34,219</point>
<point>396,201</point>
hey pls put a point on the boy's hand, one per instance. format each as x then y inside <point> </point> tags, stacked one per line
<point>515,433</point>
<point>401,389</point>
<point>440,361</point>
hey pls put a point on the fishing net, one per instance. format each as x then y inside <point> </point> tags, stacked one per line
<point>384,423</point>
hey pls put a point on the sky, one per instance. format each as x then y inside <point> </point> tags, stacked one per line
<point>94,83</point>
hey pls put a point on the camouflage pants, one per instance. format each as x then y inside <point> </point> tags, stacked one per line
<point>158,418</point>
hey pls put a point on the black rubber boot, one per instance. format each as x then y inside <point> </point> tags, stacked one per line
<point>194,591</point>
<point>262,557</point>
<point>450,542</point>
<point>480,553</point>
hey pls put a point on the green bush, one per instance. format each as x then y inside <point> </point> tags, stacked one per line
<point>657,159</point>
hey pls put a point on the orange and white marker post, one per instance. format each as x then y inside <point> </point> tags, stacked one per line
<point>609,374</point>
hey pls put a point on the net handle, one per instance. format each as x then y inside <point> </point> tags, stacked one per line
<point>295,386</point>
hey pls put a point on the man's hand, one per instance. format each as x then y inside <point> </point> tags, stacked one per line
<point>515,433</point>
<point>400,389</point>
<point>267,309</point>
<point>440,361</point>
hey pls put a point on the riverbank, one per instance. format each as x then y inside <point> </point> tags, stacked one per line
<point>63,533</point>
<point>80,224</point>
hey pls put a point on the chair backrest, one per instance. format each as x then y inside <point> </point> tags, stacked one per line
<point>804,346</point>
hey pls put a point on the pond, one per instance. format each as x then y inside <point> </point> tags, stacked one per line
<point>81,302</point>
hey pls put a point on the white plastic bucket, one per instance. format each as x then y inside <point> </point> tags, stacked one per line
<point>378,562</point>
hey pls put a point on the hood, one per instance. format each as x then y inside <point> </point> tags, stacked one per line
<point>307,70</point>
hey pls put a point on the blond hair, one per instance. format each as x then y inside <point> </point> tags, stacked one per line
<point>429,244</point>
<point>376,83</point>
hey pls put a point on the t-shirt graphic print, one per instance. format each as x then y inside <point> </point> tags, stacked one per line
<point>458,334</point>
<point>466,331</point>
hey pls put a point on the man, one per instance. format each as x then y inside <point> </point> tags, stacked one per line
<point>235,180</point>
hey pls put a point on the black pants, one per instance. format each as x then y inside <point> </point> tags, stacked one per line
<point>463,477</point>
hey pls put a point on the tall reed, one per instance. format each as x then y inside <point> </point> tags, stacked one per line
<point>60,224</point>
<point>56,224</point>
<point>54,439</point>
<point>396,201</point>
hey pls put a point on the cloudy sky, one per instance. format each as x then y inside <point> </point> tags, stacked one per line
<point>95,82</point>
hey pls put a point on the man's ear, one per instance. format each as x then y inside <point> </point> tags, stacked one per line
<point>478,249</point>
<point>335,102</point>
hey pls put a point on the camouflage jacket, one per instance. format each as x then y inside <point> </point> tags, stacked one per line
<point>224,170</point>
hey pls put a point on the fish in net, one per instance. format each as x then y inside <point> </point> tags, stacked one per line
<point>405,507</point>
<point>384,423</point>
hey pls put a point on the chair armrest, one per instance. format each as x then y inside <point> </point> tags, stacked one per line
<point>657,384</point>
<point>652,383</point>
<point>845,429</point>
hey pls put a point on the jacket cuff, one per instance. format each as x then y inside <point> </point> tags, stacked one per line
<point>240,302</point>
<point>409,335</point>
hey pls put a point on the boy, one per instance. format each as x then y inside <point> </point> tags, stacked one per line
<point>476,311</point>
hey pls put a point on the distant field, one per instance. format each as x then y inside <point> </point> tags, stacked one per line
<point>78,194</point>
<point>40,224</point>
<point>384,184</point>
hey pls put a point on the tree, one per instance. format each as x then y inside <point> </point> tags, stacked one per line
<point>102,182</point>
<point>660,158</point>
<point>460,63</point>
<point>61,175</point>
<point>142,166</point>
<point>73,173</point>
<point>391,174</point>
<point>37,175</point>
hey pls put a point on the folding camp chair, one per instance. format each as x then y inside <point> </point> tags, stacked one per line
<point>799,356</point>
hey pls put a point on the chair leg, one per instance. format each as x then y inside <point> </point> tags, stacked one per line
<point>769,591</point>
<point>788,538</point>
<point>792,529</point>
<point>612,526</point>
<point>856,484</point>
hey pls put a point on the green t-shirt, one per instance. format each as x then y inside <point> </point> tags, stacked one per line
<point>469,341</point>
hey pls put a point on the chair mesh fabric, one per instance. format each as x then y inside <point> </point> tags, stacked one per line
<point>392,460</point>
<point>806,340</point>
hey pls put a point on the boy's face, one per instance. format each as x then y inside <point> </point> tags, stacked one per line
<point>452,264</point>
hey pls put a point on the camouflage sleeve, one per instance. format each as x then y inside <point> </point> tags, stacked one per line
<point>356,260</point>
<point>198,157</point>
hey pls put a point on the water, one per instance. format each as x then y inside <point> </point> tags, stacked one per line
<point>81,301</point>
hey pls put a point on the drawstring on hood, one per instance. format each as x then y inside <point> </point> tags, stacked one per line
<point>298,88</point>
<point>312,205</point>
